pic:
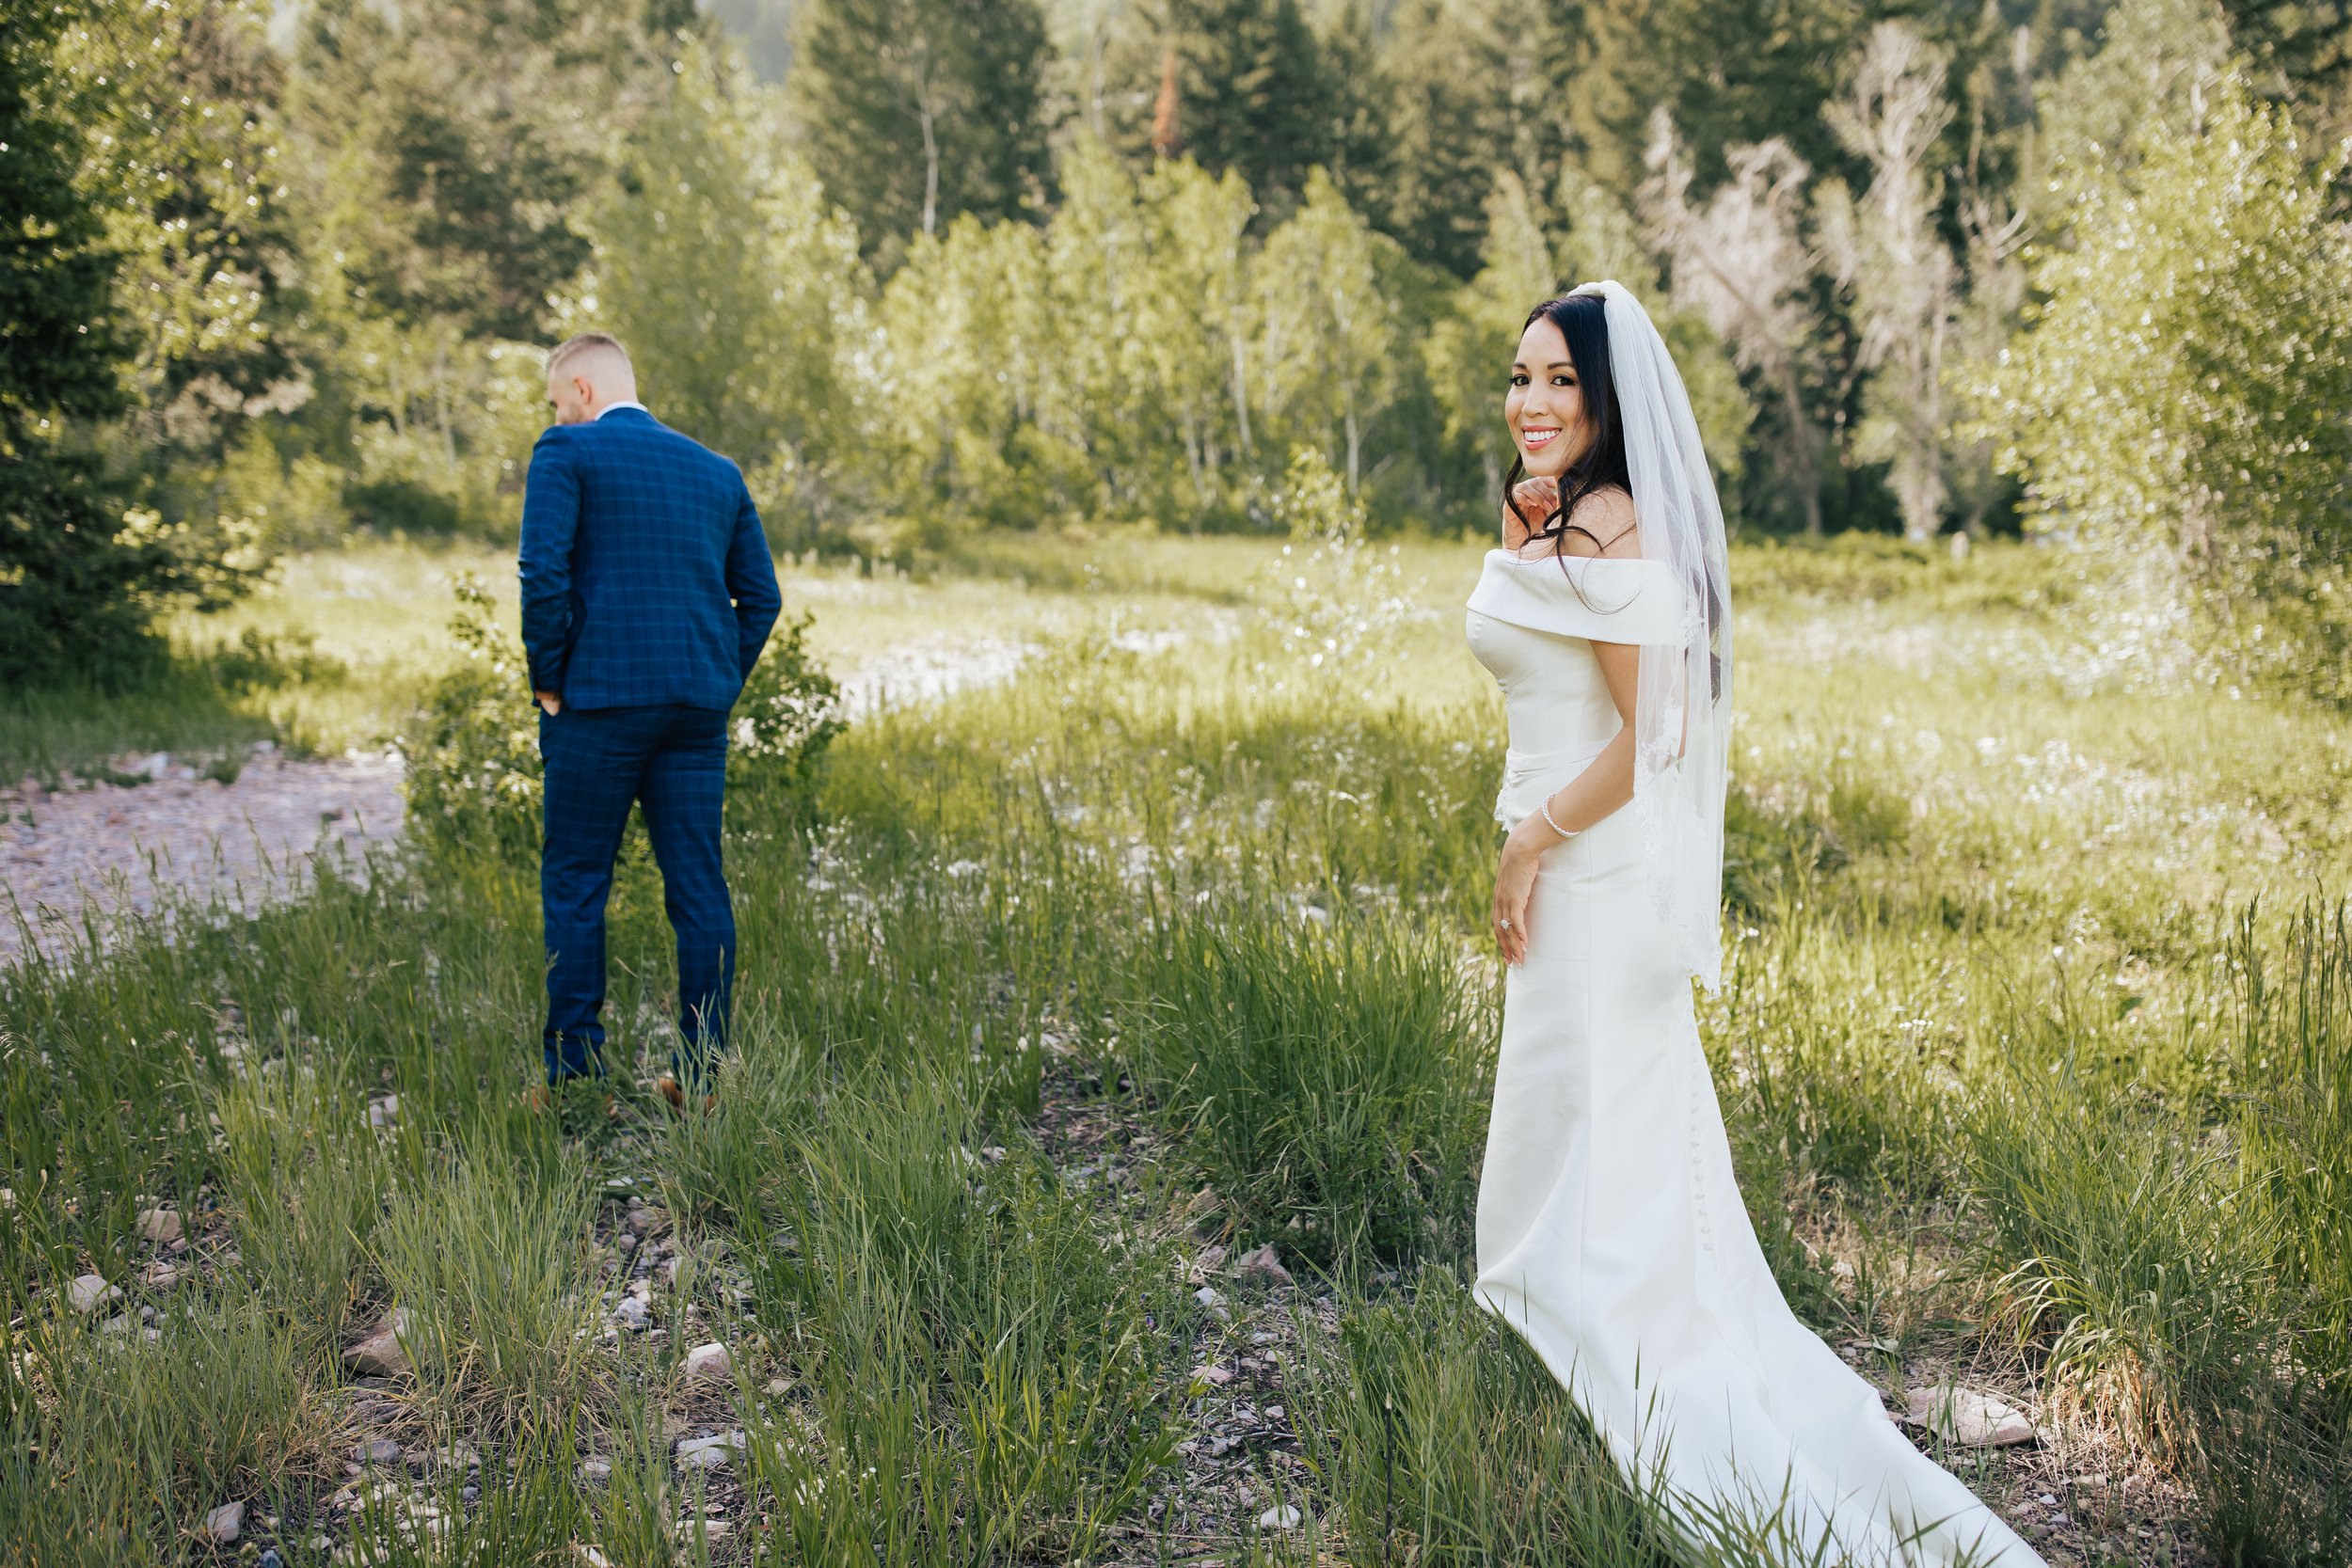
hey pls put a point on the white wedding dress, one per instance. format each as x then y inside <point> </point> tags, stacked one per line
<point>1611,1232</point>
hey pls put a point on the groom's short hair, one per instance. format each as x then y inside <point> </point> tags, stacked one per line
<point>586,342</point>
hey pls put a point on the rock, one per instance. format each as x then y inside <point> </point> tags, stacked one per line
<point>384,1112</point>
<point>1212,1373</point>
<point>457,1456</point>
<point>1209,1296</point>
<point>160,1276</point>
<point>160,1225</point>
<point>381,1450</point>
<point>632,1314</point>
<point>777,1388</point>
<point>710,1363</point>
<point>709,1453</point>
<point>1968,1418</point>
<point>119,1323</point>
<point>225,1523</point>
<point>87,1291</point>
<point>155,766</point>
<point>271,1559</point>
<point>596,1469</point>
<point>588,1556</point>
<point>1262,1264</point>
<point>1280,1517</point>
<point>383,1354</point>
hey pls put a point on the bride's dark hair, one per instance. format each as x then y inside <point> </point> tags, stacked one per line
<point>1583,324</point>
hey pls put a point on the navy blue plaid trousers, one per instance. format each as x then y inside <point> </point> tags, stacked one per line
<point>673,759</point>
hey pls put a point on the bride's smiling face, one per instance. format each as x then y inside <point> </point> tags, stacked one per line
<point>1545,408</point>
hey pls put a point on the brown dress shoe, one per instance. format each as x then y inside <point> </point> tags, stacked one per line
<point>674,1092</point>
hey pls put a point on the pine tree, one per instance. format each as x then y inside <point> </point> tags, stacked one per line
<point>71,589</point>
<point>1730,73</point>
<point>1447,139</point>
<point>1255,93</point>
<point>448,143</point>
<point>914,111</point>
<point>61,349</point>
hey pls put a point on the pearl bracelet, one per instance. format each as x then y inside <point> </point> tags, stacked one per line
<point>1545,806</point>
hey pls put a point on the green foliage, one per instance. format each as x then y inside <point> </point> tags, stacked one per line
<point>487,1263</point>
<point>63,347</point>
<point>82,575</point>
<point>442,147</point>
<point>1320,1074</point>
<point>2172,407</point>
<point>73,588</point>
<point>917,111</point>
<point>215,1403</point>
<point>737,284</point>
<point>1443,1438</point>
<point>1258,91</point>
<point>306,1181</point>
<point>472,747</point>
<point>788,713</point>
<point>471,751</point>
<point>982,1379</point>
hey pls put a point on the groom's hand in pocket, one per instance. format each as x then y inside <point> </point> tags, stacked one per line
<point>549,701</point>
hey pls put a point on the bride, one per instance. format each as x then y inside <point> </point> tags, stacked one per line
<point>1611,1232</point>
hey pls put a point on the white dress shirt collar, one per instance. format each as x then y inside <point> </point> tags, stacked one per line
<point>622,403</point>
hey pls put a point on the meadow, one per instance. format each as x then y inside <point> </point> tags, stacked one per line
<point>1067,995</point>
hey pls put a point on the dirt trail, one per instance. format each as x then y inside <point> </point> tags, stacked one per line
<point>111,849</point>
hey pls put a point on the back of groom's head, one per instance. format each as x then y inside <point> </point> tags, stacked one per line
<point>587,374</point>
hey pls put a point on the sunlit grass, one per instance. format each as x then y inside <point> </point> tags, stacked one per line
<point>1996,1005</point>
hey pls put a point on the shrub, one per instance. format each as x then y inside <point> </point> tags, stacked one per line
<point>80,577</point>
<point>2176,406</point>
<point>472,749</point>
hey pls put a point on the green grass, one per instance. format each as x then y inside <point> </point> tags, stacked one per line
<point>2034,1047</point>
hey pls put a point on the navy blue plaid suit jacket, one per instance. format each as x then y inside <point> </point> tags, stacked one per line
<point>646,577</point>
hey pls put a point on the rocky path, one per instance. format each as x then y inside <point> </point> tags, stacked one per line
<point>110,850</point>
<point>106,850</point>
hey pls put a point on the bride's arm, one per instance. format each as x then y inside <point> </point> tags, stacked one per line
<point>1604,786</point>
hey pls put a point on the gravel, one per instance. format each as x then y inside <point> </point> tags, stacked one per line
<point>113,850</point>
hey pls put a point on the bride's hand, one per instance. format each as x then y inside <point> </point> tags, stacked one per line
<point>1515,884</point>
<point>1535,498</point>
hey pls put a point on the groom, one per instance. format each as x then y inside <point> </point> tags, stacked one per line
<point>647,594</point>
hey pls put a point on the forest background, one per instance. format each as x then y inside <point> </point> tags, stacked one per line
<point>282,274</point>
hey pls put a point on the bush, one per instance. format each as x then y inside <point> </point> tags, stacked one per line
<point>472,749</point>
<point>2177,404</point>
<point>77,588</point>
<point>472,754</point>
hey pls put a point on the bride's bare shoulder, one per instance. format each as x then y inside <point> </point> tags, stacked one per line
<point>1603,524</point>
